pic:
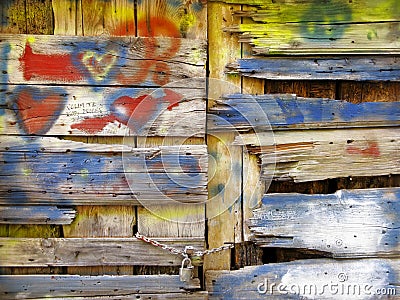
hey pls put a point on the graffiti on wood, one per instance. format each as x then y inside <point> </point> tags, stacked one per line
<point>51,171</point>
<point>145,61</point>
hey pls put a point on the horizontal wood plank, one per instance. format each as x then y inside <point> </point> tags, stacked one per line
<point>301,27</point>
<point>346,224</point>
<point>75,286</point>
<point>311,155</point>
<point>310,279</point>
<point>60,172</point>
<point>38,252</point>
<point>382,68</point>
<point>144,61</point>
<point>103,111</point>
<point>286,111</point>
<point>36,215</point>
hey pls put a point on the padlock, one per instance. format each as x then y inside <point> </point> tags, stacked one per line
<point>185,272</point>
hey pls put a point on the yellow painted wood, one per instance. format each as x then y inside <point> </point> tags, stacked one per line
<point>67,17</point>
<point>224,215</point>
<point>181,18</point>
<point>253,188</point>
<point>13,17</point>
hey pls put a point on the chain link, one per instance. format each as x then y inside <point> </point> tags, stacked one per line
<point>180,252</point>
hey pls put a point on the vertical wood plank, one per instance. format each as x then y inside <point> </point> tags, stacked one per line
<point>67,17</point>
<point>253,189</point>
<point>115,18</point>
<point>95,18</point>
<point>39,17</point>
<point>13,16</point>
<point>119,18</point>
<point>172,18</point>
<point>224,209</point>
<point>178,19</point>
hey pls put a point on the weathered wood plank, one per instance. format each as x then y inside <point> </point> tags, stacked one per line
<point>173,18</point>
<point>348,223</point>
<point>66,110</point>
<point>223,210</point>
<point>67,17</point>
<point>31,252</point>
<point>309,279</point>
<point>286,111</point>
<point>36,215</point>
<point>113,174</point>
<point>308,155</point>
<point>13,16</point>
<point>39,17</point>
<point>115,18</point>
<point>41,59</point>
<point>335,27</point>
<point>61,286</point>
<point>319,68</point>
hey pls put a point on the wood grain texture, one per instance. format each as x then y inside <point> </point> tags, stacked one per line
<point>87,173</point>
<point>13,16</point>
<point>307,27</point>
<point>39,17</point>
<point>355,68</point>
<point>287,111</point>
<point>115,18</point>
<point>223,210</point>
<point>36,215</point>
<point>67,17</point>
<point>311,155</point>
<point>173,18</point>
<point>81,111</point>
<point>101,61</point>
<point>65,286</point>
<point>314,278</point>
<point>25,252</point>
<point>346,224</point>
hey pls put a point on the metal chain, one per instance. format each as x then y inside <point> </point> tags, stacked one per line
<point>180,252</point>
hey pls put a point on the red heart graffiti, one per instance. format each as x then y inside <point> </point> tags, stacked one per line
<point>37,110</point>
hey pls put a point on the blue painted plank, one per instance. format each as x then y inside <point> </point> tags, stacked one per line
<point>36,215</point>
<point>51,171</point>
<point>372,68</point>
<point>348,223</point>
<point>275,111</point>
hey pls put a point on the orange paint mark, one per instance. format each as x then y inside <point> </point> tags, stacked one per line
<point>48,66</point>
<point>158,26</point>
<point>371,151</point>
<point>124,29</point>
<point>153,60</point>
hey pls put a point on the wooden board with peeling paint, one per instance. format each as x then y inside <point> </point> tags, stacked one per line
<point>311,155</point>
<point>346,224</point>
<point>105,111</point>
<point>372,68</point>
<point>309,279</point>
<point>286,111</point>
<point>312,27</point>
<point>36,252</point>
<point>59,172</point>
<point>36,215</point>
<point>98,287</point>
<point>144,61</point>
